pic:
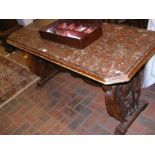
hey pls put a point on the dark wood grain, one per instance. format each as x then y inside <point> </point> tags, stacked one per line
<point>122,102</point>
<point>44,69</point>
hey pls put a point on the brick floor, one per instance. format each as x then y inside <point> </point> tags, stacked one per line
<point>68,105</point>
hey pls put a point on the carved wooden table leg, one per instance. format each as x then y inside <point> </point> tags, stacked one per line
<point>122,102</point>
<point>42,68</point>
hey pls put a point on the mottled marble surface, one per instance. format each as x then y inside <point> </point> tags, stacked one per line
<point>110,59</point>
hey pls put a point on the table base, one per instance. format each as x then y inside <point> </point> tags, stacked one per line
<point>123,126</point>
<point>122,100</point>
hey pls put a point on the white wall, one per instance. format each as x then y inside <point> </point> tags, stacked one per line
<point>149,72</point>
<point>24,22</point>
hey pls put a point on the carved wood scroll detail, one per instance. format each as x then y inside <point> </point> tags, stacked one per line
<point>122,101</point>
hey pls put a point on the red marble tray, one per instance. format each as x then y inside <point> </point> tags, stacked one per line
<point>75,33</point>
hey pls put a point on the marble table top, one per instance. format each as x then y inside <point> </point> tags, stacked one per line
<point>113,58</point>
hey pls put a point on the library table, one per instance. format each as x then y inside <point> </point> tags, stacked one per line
<point>115,61</point>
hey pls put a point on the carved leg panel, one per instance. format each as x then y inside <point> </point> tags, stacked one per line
<point>122,102</point>
<point>42,68</point>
